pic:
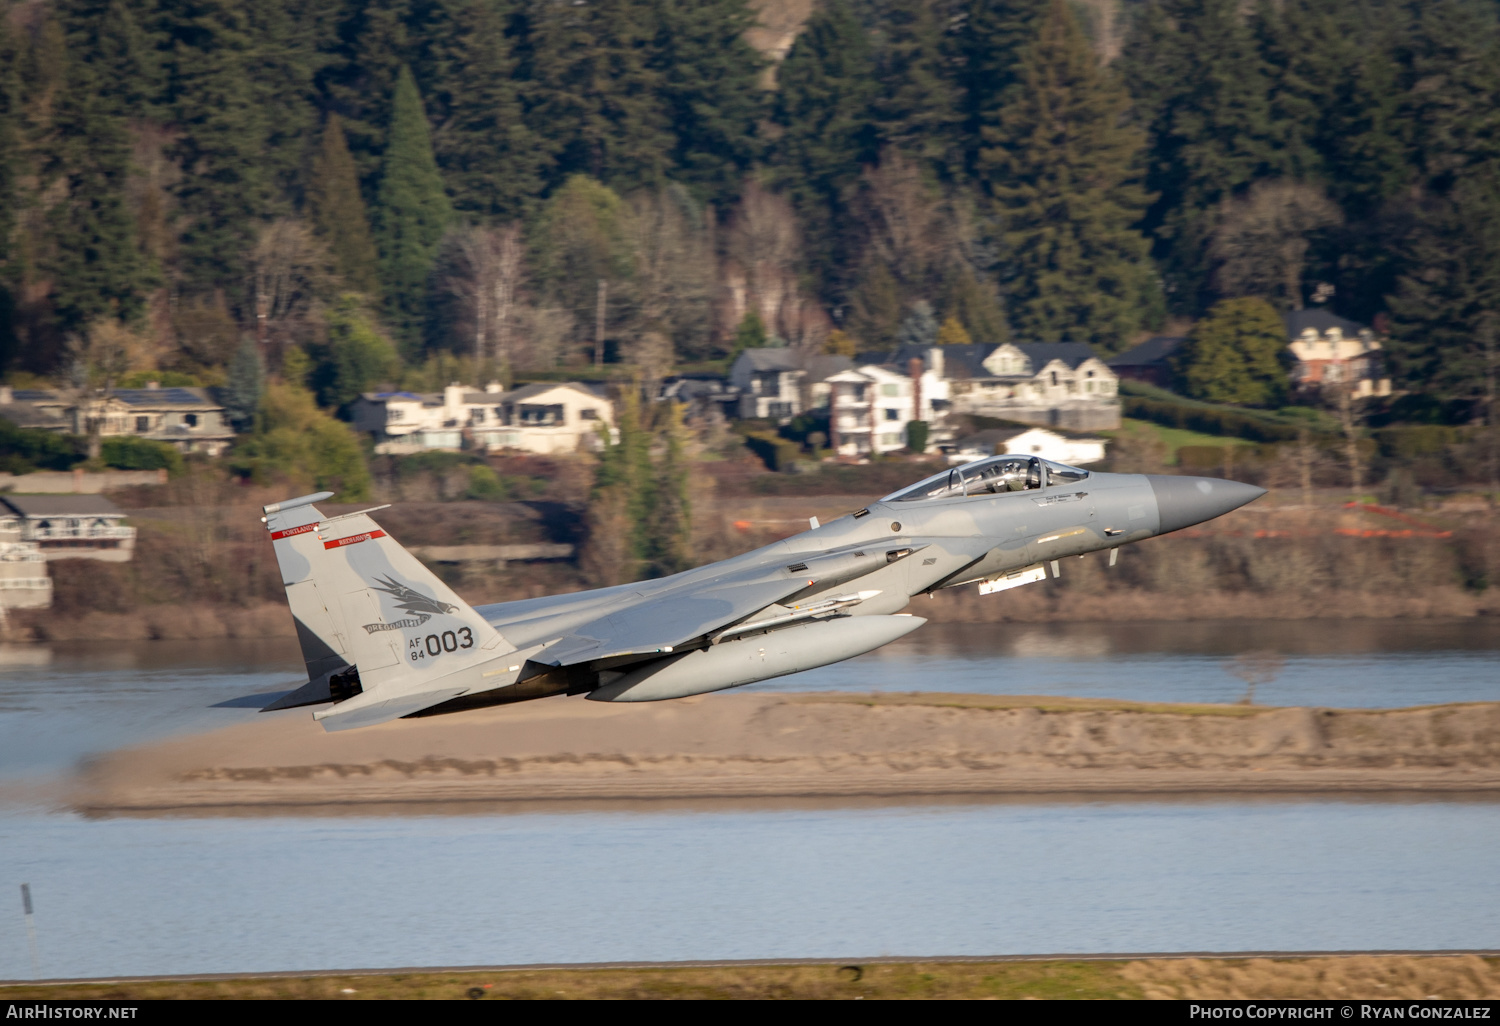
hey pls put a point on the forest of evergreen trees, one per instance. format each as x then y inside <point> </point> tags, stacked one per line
<point>538,183</point>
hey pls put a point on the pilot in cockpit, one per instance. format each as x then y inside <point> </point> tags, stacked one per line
<point>1007,475</point>
<point>997,474</point>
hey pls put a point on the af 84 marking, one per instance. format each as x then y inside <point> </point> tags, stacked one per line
<point>437,644</point>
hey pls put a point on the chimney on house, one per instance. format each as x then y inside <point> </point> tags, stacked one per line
<point>453,400</point>
<point>493,388</point>
<point>935,360</point>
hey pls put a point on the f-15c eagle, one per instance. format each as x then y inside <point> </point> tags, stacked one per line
<point>384,638</point>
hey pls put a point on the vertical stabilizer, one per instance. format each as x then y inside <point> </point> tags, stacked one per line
<point>413,641</point>
<point>293,528</point>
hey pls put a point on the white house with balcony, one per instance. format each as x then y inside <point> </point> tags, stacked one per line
<point>779,384</point>
<point>69,526</point>
<point>542,418</point>
<point>24,581</point>
<point>869,408</point>
<point>1050,384</point>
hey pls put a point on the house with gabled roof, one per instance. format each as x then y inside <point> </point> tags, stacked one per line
<point>1329,349</point>
<point>545,417</point>
<point>1051,384</point>
<point>69,526</point>
<point>188,419</point>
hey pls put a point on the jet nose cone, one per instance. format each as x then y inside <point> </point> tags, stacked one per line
<point>1185,501</point>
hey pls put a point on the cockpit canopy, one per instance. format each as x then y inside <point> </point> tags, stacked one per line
<point>990,476</point>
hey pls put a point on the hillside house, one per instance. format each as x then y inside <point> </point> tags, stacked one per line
<point>869,407</point>
<point>188,419</point>
<point>1328,349</point>
<point>1149,362</point>
<point>779,384</point>
<point>69,526</point>
<point>1050,384</point>
<point>543,418</point>
<point>24,581</point>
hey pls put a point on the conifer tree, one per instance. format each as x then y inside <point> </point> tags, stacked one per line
<point>115,40</point>
<point>1200,88</point>
<point>709,91</point>
<point>245,384</point>
<point>1450,59</point>
<point>10,99</point>
<point>284,65</point>
<point>667,526</point>
<point>989,47</point>
<point>824,108</point>
<point>337,210</point>
<point>1332,96</point>
<point>359,77</point>
<point>1445,332</point>
<point>412,212</point>
<point>1060,163</point>
<point>92,259</point>
<point>214,104</point>
<point>593,95</point>
<point>917,108</point>
<point>489,157</point>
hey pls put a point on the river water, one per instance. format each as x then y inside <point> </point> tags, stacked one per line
<point>178,895</point>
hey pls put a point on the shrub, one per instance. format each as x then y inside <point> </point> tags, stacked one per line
<point>299,442</point>
<point>1205,419</point>
<point>916,436</point>
<point>486,485</point>
<point>128,453</point>
<point>777,453</point>
<point>23,450</point>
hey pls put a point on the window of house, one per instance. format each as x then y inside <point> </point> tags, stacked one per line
<point>891,414</point>
<point>541,416</point>
<point>589,414</point>
<point>142,425</point>
<point>190,419</point>
<point>476,416</point>
<point>778,410</point>
<point>394,414</point>
<point>1054,379</point>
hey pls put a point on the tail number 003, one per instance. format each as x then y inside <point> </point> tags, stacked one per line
<point>437,644</point>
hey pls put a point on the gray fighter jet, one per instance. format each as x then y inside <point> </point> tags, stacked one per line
<point>383,637</point>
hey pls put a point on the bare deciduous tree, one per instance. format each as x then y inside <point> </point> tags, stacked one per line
<point>289,270</point>
<point>671,292</point>
<point>1260,244</point>
<point>906,224</point>
<point>484,268</point>
<point>762,254</point>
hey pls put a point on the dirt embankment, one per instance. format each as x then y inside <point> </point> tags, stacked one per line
<point>805,746</point>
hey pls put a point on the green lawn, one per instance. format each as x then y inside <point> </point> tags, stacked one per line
<point>1174,438</point>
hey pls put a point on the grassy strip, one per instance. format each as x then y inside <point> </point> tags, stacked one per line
<point>921,980</point>
<point>1344,977</point>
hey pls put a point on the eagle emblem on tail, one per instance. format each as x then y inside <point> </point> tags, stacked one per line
<point>409,600</point>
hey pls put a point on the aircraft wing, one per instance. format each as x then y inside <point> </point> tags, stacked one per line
<point>652,622</point>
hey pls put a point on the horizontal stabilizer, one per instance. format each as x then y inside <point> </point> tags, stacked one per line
<point>389,709</point>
